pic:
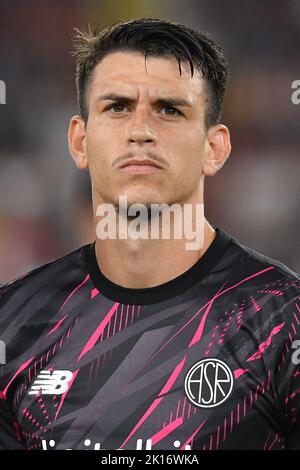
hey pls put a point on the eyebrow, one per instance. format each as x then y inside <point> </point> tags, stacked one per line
<point>173,101</point>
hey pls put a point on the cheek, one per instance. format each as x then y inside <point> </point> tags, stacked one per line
<point>96,139</point>
<point>189,151</point>
<point>101,150</point>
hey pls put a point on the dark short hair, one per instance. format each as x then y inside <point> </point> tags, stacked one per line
<point>157,38</point>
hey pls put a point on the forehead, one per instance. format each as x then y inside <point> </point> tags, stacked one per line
<point>129,71</point>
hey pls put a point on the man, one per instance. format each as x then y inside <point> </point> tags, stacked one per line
<point>131,343</point>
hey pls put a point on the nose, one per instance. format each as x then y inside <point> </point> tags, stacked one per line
<point>140,131</point>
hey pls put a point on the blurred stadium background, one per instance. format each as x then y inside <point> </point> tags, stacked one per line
<point>45,209</point>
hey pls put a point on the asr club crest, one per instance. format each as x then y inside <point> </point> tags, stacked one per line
<point>208,383</point>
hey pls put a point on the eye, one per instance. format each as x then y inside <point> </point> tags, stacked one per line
<point>170,111</point>
<point>117,108</point>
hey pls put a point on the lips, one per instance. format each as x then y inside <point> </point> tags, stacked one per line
<point>140,163</point>
<point>140,167</point>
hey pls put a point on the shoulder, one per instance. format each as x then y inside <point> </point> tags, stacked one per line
<point>31,304</point>
<point>263,260</point>
<point>255,263</point>
<point>37,276</point>
<point>267,284</point>
<point>38,294</point>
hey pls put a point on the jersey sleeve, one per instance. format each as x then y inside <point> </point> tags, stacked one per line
<point>287,372</point>
<point>10,435</point>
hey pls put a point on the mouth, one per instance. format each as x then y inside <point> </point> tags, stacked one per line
<point>140,166</point>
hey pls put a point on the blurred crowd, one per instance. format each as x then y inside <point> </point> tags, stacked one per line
<point>45,202</point>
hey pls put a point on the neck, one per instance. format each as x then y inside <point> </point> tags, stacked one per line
<point>150,262</point>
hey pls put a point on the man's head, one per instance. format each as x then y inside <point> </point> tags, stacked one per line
<point>149,89</point>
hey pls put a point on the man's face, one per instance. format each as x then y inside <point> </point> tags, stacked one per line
<point>145,110</point>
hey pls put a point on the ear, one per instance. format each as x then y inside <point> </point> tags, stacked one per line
<point>218,148</point>
<point>77,142</point>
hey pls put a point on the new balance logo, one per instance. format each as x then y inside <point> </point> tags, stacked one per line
<point>55,383</point>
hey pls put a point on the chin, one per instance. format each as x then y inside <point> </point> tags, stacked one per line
<point>143,197</point>
<point>142,201</point>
